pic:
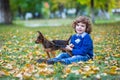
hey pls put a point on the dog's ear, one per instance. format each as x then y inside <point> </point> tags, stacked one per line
<point>40,33</point>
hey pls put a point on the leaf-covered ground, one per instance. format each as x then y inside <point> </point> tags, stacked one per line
<point>18,54</point>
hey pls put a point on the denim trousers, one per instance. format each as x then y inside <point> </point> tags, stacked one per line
<point>67,59</point>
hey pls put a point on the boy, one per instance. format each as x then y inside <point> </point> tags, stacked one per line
<point>81,44</point>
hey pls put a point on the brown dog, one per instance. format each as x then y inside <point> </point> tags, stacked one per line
<point>51,46</point>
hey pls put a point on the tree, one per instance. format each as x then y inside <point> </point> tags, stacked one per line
<point>24,6</point>
<point>5,15</point>
<point>92,10</point>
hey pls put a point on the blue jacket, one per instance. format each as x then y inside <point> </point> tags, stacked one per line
<point>83,45</point>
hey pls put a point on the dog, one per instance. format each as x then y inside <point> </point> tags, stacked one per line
<point>62,44</point>
<point>51,46</point>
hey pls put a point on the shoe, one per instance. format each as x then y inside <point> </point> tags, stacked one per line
<point>50,62</point>
<point>41,60</point>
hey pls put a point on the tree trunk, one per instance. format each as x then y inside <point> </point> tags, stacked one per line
<point>92,11</point>
<point>5,15</point>
<point>107,15</point>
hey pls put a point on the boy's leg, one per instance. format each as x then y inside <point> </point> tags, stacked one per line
<point>76,58</point>
<point>58,58</point>
<point>63,55</point>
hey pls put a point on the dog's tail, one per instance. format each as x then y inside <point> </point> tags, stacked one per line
<point>69,39</point>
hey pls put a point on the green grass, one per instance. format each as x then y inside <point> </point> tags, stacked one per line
<point>62,22</point>
<point>18,53</point>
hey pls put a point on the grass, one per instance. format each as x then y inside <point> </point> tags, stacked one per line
<point>18,53</point>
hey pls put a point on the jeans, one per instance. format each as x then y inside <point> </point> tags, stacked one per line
<point>65,58</point>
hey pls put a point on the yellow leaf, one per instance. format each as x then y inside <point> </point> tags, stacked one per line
<point>4,72</point>
<point>46,72</point>
<point>86,68</point>
<point>30,56</point>
<point>67,70</point>
<point>42,72</point>
<point>27,75</point>
<point>112,70</point>
<point>88,73</point>
<point>4,47</point>
<point>90,62</point>
<point>98,57</point>
<point>80,71</point>
<point>9,42</point>
<point>37,52</point>
<point>42,65</point>
<point>9,66</point>
<point>117,55</point>
<point>28,65</point>
<point>114,67</point>
<point>95,68</point>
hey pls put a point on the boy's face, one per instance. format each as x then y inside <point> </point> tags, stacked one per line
<point>80,28</point>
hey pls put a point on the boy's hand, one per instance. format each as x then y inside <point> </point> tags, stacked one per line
<point>69,47</point>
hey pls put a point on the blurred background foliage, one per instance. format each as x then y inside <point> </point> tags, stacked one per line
<point>49,9</point>
<point>51,6</point>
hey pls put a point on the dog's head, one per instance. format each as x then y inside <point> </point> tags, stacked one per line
<point>40,38</point>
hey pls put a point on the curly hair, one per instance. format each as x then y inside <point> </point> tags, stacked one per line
<point>84,20</point>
